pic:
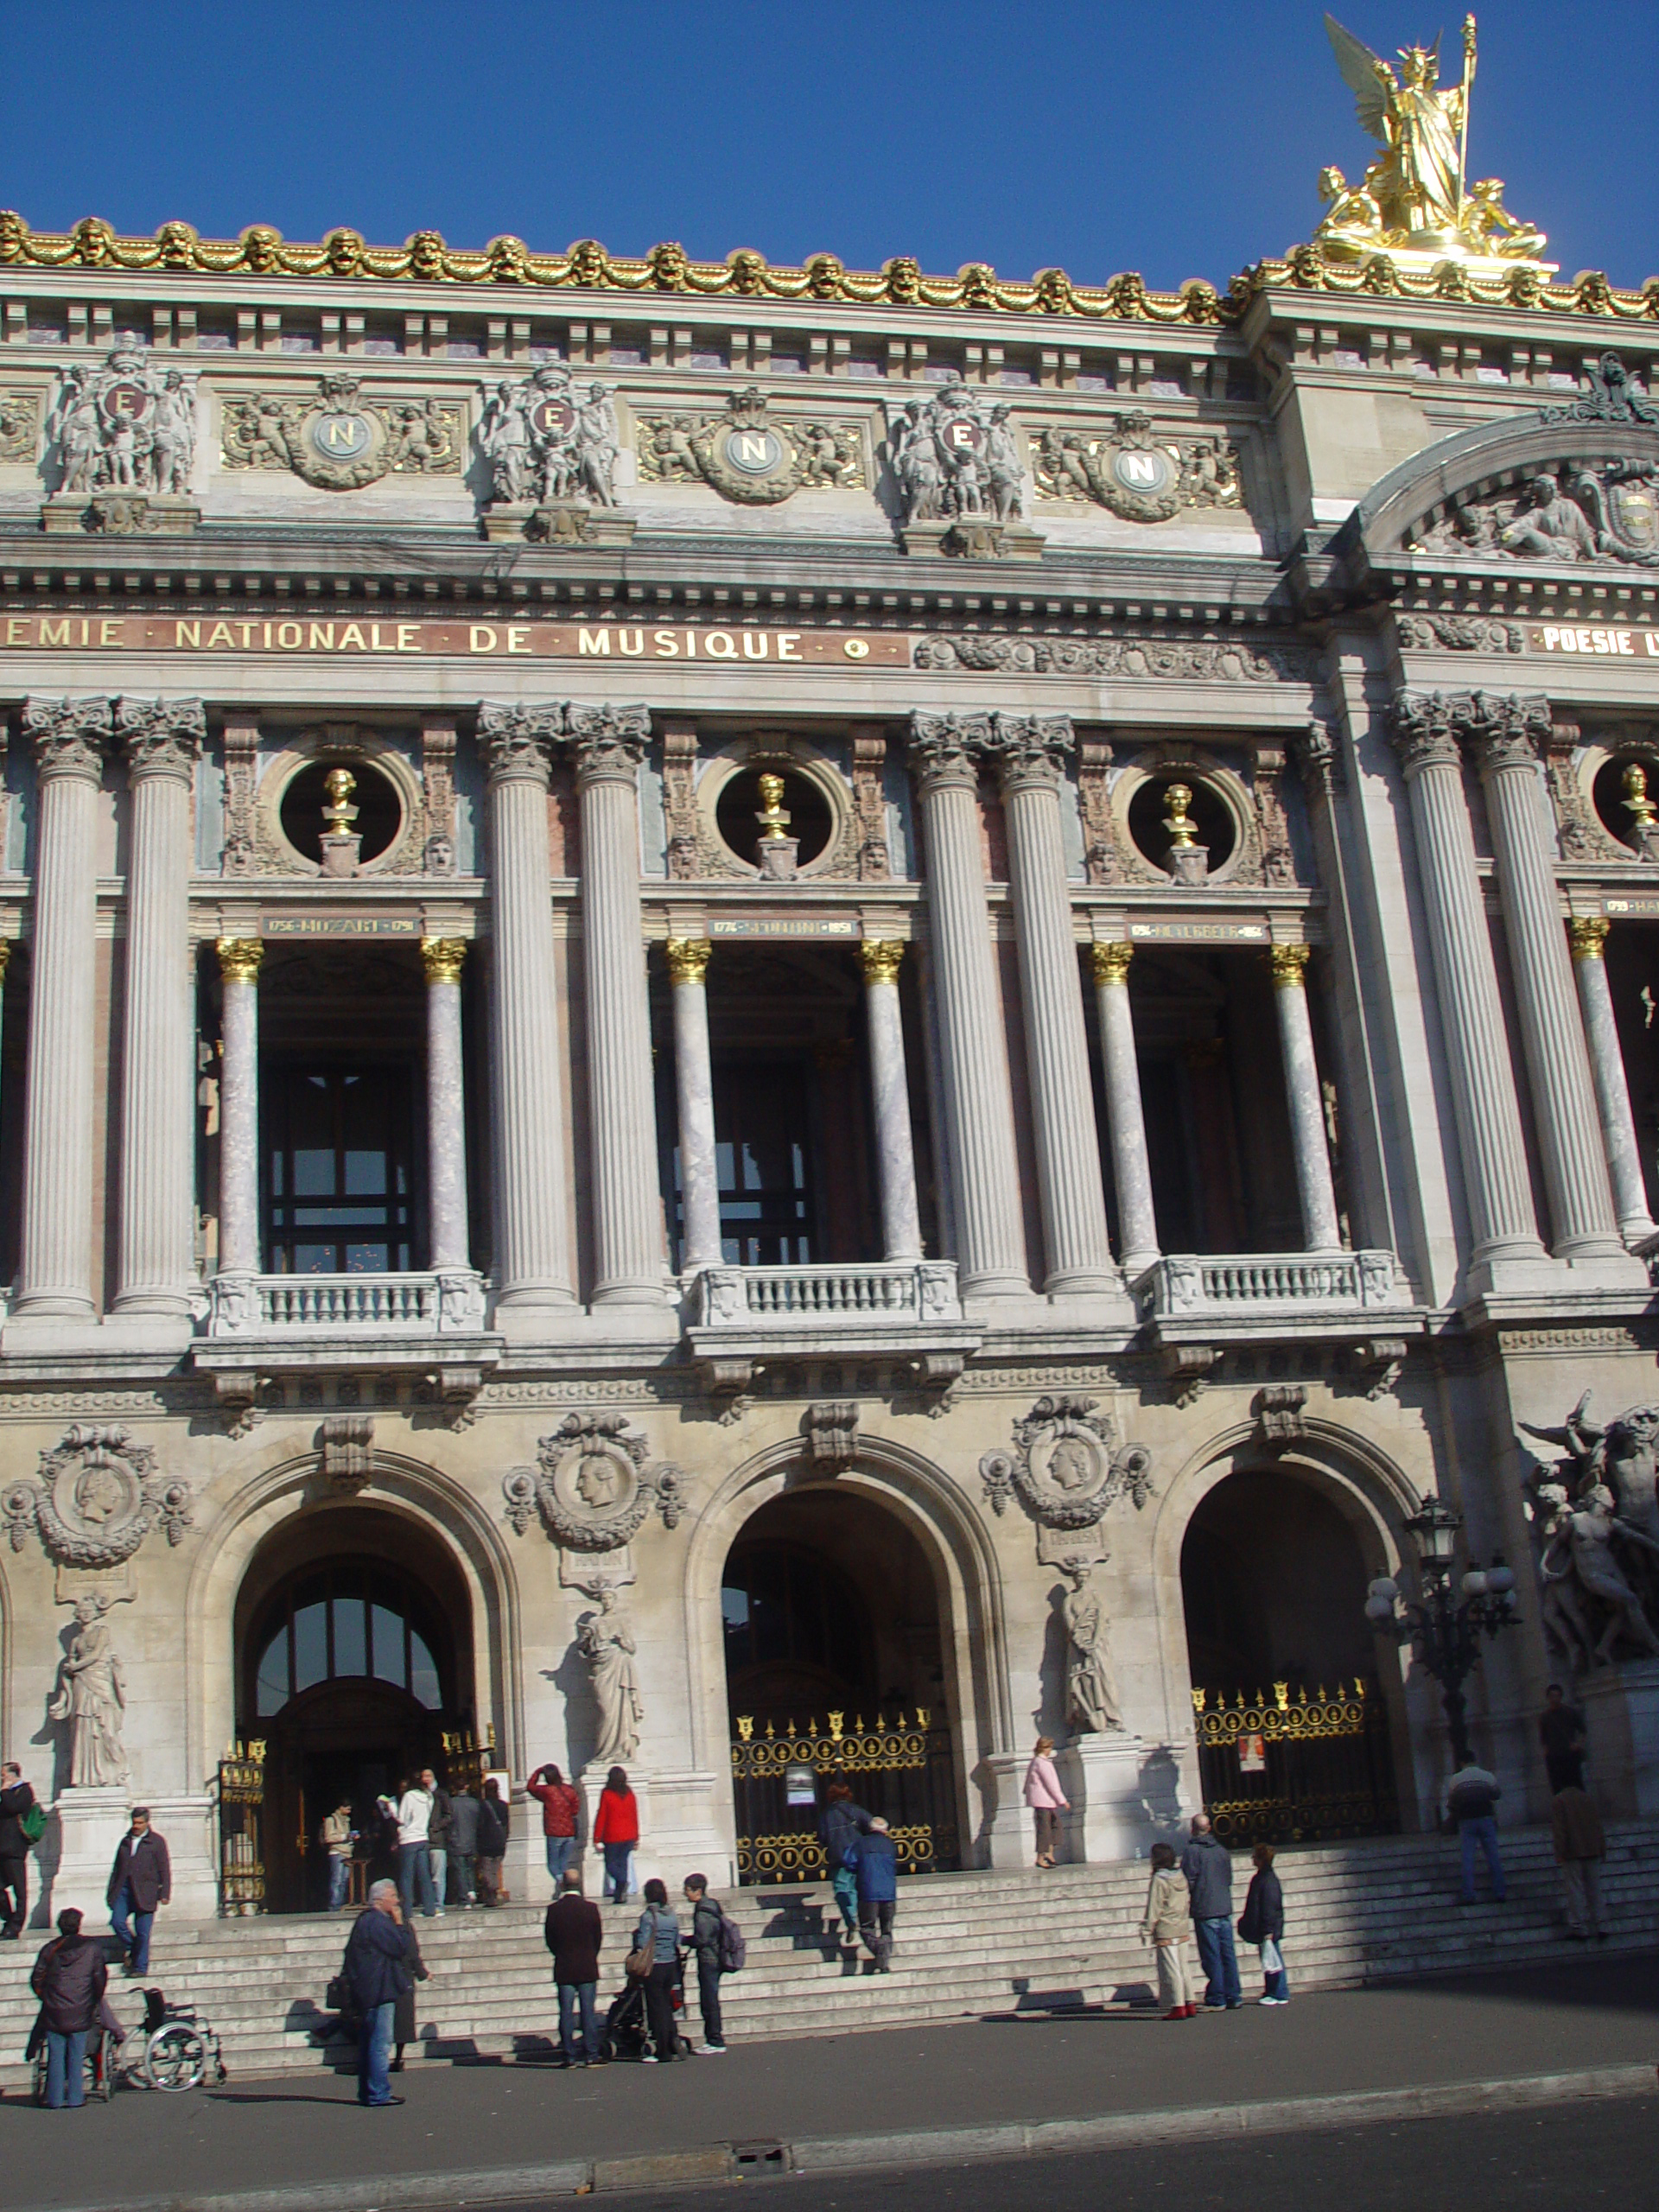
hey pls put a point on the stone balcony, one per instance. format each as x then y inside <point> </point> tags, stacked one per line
<point>875,1307</point>
<point>1188,1296</point>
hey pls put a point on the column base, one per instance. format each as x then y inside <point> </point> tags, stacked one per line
<point>163,1305</point>
<point>52,1305</point>
<point>1005,1840</point>
<point>1109,1818</point>
<point>1605,1261</point>
<point>1084,1282</point>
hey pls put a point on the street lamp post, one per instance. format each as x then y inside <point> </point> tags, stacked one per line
<point>1445,1623</point>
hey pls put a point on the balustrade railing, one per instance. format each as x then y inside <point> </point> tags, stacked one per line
<point>900,1292</point>
<point>1187,1285</point>
<point>406,1304</point>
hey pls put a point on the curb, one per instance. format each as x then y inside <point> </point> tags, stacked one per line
<point>936,2147</point>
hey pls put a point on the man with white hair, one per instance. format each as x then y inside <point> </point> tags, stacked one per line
<point>375,1973</point>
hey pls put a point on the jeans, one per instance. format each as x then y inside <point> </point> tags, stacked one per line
<point>617,1856</point>
<point>414,1865</point>
<point>463,1865</point>
<point>340,1881</point>
<point>374,2053</point>
<point>1219,1961</point>
<point>14,1891</point>
<point>440,1874</point>
<point>65,2069</point>
<point>561,1850</point>
<point>572,1993</point>
<point>708,1998</point>
<point>133,1936</point>
<point>845,1882</point>
<point>875,1926</point>
<point>1275,1980</point>
<point>1481,1835</point>
<point>659,2008</point>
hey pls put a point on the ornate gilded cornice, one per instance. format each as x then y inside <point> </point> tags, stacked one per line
<point>1586,936</point>
<point>944,749</point>
<point>68,736</point>
<point>443,958</point>
<point>1306,269</point>
<point>687,959</point>
<point>514,741</point>
<point>878,956</point>
<point>239,959</point>
<point>608,743</point>
<point>1111,963</point>
<point>1030,748</point>
<point>161,737</point>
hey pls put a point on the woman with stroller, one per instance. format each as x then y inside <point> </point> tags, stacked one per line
<point>659,1932</point>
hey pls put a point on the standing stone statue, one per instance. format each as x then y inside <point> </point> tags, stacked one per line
<point>91,1696</point>
<point>1091,1703</point>
<point>606,1641</point>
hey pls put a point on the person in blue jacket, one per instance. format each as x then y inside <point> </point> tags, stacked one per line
<point>875,1869</point>
<point>376,1972</point>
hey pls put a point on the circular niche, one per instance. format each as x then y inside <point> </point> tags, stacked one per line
<point>379,810</point>
<point>739,803</point>
<point>1609,794</point>
<point>1209,814</point>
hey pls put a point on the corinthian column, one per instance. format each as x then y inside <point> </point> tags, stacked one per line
<point>533,1269</point>
<point>694,1087</point>
<point>1030,748</point>
<point>446,1102</point>
<point>161,739</point>
<point>1587,936</point>
<point>608,742</point>
<point>55,1269</point>
<point>901,1229</point>
<point>978,1098</point>
<point>239,959</point>
<point>1507,734</point>
<point>1125,1117</point>
<point>1466,975</point>
<point>1314,1186</point>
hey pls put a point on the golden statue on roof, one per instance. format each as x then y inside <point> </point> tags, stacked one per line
<point>1414,203</point>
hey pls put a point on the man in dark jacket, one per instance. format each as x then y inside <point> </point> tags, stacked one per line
<point>875,1869</point>
<point>705,1917</point>
<point>69,1978</point>
<point>463,1841</point>
<point>574,1932</point>
<point>17,1798</point>
<point>141,1882</point>
<point>1208,1867</point>
<point>377,1974</point>
<point>493,1817</point>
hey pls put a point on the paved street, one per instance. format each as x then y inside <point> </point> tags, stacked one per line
<point>306,2132</point>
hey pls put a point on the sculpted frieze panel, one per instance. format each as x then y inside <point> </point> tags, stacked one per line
<point>956,458</point>
<point>548,439</point>
<point>591,1485</point>
<point>340,442</point>
<point>20,425</point>
<point>97,1497</point>
<point>1604,511</point>
<point>123,425</point>
<point>749,455</point>
<point>1198,660</point>
<point>1135,472</point>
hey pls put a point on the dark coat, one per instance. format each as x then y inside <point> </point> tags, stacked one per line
<point>403,2020</point>
<point>146,1871</point>
<point>463,1823</point>
<point>437,1827</point>
<point>69,1977</point>
<point>1208,1866</point>
<point>376,1965</point>
<point>840,1825</point>
<point>493,1817</point>
<point>14,1804</point>
<point>875,1867</point>
<point>705,1917</point>
<point>1264,1918</point>
<point>574,1931</point>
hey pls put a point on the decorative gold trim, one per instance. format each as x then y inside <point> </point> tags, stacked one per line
<point>687,959</point>
<point>5,955</point>
<point>1587,936</point>
<point>880,957</point>
<point>1288,962</point>
<point>1111,962</point>
<point>441,957</point>
<point>239,959</point>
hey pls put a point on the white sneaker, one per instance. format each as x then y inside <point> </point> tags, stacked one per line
<point>713,2051</point>
<point>1275,2000</point>
<point>648,2058</point>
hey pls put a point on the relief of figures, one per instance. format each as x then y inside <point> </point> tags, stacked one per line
<point>748,455</point>
<point>126,426</point>
<point>548,439</point>
<point>1134,472</point>
<point>1604,512</point>
<point>1595,1524</point>
<point>956,458</point>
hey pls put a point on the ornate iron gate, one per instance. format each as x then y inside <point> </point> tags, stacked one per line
<point>241,1797</point>
<point>1295,1770</point>
<point>904,1770</point>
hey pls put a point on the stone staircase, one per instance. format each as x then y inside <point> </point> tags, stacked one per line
<point>968,1945</point>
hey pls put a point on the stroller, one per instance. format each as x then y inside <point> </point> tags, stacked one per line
<point>626,2032</point>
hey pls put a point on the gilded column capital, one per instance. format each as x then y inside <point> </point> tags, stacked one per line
<point>1586,935</point>
<point>1423,730</point>
<point>878,956</point>
<point>608,743</point>
<point>945,749</point>
<point>1289,963</point>
<point>1030,748</point>
<point>1111,962</point>
<point>514,741</point>
<point>441,957</point>
<point>6,945</point>
<point>69,736</point>
<point>687,959</point>
<point>1502,729</point>
<point>239,959</point>
<point>161,737</point>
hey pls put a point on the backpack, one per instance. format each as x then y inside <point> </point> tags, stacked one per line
<point>732,1948</point>
<point>33,1823</point>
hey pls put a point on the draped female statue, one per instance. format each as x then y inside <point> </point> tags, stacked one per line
<point>91,1696</point>
<point>606,1641</point>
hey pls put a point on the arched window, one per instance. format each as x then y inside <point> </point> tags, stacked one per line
<point>349,1619</point>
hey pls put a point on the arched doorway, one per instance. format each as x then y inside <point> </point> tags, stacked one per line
<point>1293,1727</point>
<point>353,1662</point>
<point>835,1665</point>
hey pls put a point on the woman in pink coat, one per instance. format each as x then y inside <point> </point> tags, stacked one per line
<point>1046,1799</point>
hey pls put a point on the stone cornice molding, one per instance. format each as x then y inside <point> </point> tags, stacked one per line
<point>945,749</point>
<point>69,736</point>
<point>608,743</point>
<point>515,742</point>
<point>161,737</point>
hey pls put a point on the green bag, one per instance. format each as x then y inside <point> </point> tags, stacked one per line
<point>33,1823</point>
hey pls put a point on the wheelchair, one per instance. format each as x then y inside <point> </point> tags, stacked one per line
<point>180,2049</point>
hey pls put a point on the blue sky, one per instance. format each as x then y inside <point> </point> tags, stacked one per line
<point>1176,138</point>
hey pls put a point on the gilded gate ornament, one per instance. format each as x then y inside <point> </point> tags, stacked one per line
<point>98,1498</point>
<point>340,442</point>
<point>750,456</point>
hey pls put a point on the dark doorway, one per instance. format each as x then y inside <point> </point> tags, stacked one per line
<point>340,1171</point>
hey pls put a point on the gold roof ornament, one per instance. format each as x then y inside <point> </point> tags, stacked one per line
<point>1413,205</point>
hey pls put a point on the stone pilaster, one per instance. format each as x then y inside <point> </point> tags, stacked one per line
<point>239,959</point>
<point>1507,735</point>
<point>608,742</point>
<point>1125,1114</point>
<point>1587,937</point>
<point>1029,749</point>
<point>901,1230</point>
<point>978,1098</point>
<point>534,1274</point>
<point>1314,1186</point>
<point>69,737</point>
<point>693,1085</point>
<point>156,1266</point>
<point>446,1103</point>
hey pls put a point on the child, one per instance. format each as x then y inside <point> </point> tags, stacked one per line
<point>1263,1922</point>
<point>1166,1925</point>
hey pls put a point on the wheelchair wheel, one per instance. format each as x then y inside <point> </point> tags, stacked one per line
<point>100,2069</point>
<point>175,2056</point>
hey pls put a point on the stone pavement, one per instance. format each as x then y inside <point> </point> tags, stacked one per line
<point>1413,2047</point>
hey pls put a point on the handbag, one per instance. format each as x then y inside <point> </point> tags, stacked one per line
<point>638,1964</point>
<point>33,1823</point>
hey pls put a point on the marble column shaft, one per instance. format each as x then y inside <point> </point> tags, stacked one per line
<point>693,1086</point>
<point>901,1229</point>
<point>161,739</point>
<point>1314,1186</point>
<point>978,1095</point>
<point>630,1265</point>
<point>54,1271</point>
<point>1507,734</point>
<point>533,1257</point>
<point>240,960</point>
<point>1072,1195</point>
<point>1588,937</point>
<point>1465,973</point>
<point>1125,1114</point>
<point>446,1103</point>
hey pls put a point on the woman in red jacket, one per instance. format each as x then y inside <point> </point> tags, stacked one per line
<point>561,1803</point>
<point>616,1825</point>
